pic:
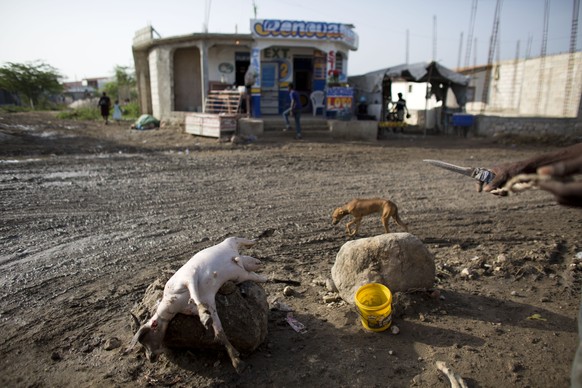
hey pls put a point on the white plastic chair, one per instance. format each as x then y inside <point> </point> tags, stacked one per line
<point>317,100</point>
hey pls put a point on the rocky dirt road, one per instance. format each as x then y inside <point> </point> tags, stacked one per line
<point>92,214</point>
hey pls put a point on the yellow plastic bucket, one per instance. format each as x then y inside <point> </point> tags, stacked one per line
<point>374,303</point>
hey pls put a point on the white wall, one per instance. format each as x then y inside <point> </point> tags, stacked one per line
<point>534,87</point>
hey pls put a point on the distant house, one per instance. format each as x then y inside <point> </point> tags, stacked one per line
<point>86,88</point>
<point>7,98</point>
<point>175,74</point>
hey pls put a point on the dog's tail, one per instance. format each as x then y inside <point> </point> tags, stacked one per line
<point>398,220</point>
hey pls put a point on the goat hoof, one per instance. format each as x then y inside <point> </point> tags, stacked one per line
<point>239,366</point>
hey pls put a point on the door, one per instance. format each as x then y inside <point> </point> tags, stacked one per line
<point>269,88</point>
<point>303,79</point>
<point>241,65</point>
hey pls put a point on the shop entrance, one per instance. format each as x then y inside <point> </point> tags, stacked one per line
<point>241,65</point>
<point>270,88</point>
<point>303,79</point>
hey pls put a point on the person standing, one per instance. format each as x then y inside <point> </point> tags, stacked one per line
<point>104,104</point>
<point>117,113</point>
<point>401,107</point>
<point>295,111</point>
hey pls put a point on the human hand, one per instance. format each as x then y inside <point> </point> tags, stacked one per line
<point>568,193</point>
<point>503,173</point>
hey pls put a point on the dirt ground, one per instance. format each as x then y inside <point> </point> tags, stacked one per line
<point>92,214</point>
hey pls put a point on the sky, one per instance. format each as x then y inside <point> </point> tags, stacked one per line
<point>88,39</point>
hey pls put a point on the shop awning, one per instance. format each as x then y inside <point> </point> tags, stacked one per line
<point>438,76</point>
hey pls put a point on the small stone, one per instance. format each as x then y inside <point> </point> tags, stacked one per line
<point>330,285</point>
<point>112,343</point>
<point>501,258</point>
<point>514,293</point>
<point>394,329</point>
<point>331,298</point>
<point>55,356</point>
<point>288,291</point>
<point>465,273</point>
<point>514,366</point>
<point>390,352</point>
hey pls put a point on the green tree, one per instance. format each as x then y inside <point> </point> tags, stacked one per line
<point>123,86</point>
<point>33,82</point>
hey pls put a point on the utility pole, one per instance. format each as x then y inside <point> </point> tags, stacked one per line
<point>407,44</point>
<point>528,47</point>
<point>255,7</point>
<point>569,78</point>
<point>475,54</point>
<point>460,52</point>
<point>541,77</point>
<point>434,38</point>
<point>492,45</point>
<point>470,34</point>
<point>514,81</point>
<point>206,16</point>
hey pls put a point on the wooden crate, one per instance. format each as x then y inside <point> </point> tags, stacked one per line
<point>220,117</point>
<point>211,125</point>
<point>223,101</point>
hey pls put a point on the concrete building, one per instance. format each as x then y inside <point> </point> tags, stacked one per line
<point>532,96</point>
<point>174,75</point>
<point>528,87</point>
<point>535,96</point>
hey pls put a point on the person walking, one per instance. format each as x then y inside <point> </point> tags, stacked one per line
<point>117,113</point>
<point>295,111</point>
<point>104,104</point>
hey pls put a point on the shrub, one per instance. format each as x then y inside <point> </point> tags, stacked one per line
<point>14,108</point>
<point>84,113</point>
<point>131,111</point>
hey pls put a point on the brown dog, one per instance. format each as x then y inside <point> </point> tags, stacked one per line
<point>359,208</point>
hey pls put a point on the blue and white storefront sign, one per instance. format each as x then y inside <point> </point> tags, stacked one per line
<point>293,29</point>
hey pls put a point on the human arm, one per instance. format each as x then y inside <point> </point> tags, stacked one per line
<point>567,193</point>
<point>563,161</point>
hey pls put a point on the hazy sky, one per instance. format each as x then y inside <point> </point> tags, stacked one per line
<point>84,39</point>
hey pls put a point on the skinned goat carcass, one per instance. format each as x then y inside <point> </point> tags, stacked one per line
<point>192,291</point>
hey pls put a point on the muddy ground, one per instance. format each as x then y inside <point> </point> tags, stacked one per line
<point>92,214</point>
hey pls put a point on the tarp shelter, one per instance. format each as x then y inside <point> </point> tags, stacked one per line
<point>440,79</point>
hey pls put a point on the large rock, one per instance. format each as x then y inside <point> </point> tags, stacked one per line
<point>243,312</point>
<point>400,261</point>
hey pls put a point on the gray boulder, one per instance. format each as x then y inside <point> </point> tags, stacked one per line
<point>243,312</point>
<point>400,261</point>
